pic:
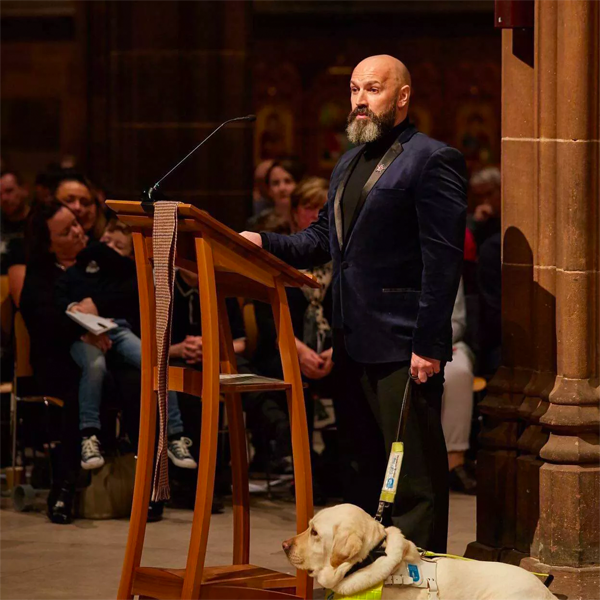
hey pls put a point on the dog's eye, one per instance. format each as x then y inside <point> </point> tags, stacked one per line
<point>313,531</point>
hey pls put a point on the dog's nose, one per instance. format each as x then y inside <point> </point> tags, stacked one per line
<point>286,545</point>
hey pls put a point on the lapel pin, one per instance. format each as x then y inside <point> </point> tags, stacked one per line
<point>380,168</point>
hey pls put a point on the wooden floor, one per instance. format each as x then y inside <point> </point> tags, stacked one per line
<point>40,560</point>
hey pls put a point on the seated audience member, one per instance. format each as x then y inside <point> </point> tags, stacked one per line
<point>186,330</point>
<point>489,278</point>
<point>103,282</point>
<point>484,187</point>
<point>14,207</point>
<point>310,310</point>
<point>54,238</point>
<point>77,193</point>
<point>13,201</point>
<point>186,349</point>
<point>281,179</point>
<point>260,194</point>
<point>457,401</point>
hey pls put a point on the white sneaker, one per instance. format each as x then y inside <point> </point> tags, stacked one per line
<point>91,458</point>
<point>180,455</point>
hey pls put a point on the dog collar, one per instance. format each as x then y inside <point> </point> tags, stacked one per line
<point>375,553</point>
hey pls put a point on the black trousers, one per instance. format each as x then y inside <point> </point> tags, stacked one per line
<point>367,407</point>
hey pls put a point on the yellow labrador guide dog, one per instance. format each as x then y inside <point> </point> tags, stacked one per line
<point>353,555</point>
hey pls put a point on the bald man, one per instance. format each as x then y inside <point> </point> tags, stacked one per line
<point>394,227</point>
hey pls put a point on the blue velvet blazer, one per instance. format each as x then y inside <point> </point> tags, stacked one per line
<point>396,276</point>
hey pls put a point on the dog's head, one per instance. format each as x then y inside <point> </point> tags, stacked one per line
<point>337,538</point>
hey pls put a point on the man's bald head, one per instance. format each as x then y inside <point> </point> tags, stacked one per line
<point>380,93</point>
<point>385,66</point>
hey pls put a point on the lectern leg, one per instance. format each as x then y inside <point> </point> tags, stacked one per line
<point>147,437</point>
<point>297,411</point>
<point>239,472</point>
<point>210,421</point>
<point>237,442</point>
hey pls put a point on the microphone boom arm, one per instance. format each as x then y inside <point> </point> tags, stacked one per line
<point>147,195</point>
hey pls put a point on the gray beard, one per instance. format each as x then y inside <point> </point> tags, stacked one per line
<point>365,131</point>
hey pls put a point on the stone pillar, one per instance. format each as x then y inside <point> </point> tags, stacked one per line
<point>543,377</point>
<point>539,478</point>
<point>502,426</point>
<point>162,76</point>
<point>569,523</point>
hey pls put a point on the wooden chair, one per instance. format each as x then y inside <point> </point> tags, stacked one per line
<point>227,265</point>
<point>6,322</point>
<point>24,390</point>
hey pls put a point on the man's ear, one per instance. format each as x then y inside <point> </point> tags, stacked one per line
<point>404,96</point>
<point>346,545</point>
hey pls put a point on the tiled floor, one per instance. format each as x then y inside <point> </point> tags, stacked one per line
<point>83,560</point>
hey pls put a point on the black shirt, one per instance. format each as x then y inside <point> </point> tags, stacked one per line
<point>12,244</point>
<point>370,158</point>
<point>109,279</point>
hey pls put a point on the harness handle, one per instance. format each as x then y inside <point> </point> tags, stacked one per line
<point>392,473</point>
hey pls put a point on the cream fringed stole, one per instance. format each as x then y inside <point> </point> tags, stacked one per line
<point>164,238</point>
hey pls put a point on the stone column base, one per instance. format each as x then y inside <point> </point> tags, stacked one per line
<point>574,583</point>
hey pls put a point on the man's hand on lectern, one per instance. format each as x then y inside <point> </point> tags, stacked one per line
<point>253,237</point>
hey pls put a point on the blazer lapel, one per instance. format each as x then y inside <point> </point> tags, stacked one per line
<point>337,206</point>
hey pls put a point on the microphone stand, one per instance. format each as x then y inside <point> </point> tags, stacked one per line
<point>153,194</point>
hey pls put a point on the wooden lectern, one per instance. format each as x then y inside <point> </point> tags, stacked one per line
<point>227,265</point>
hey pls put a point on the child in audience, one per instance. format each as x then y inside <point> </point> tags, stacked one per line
<point>103,282</point>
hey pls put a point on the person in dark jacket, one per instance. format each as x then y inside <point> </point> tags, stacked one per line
<point>103,282</point>
<point>394,227</point>
<point>54,239</point>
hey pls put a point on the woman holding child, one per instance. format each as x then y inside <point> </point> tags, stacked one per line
<point>64,272</point>
<point>55,238</point>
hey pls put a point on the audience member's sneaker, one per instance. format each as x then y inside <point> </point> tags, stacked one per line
<point>91,458</point>
<point>180,455</point>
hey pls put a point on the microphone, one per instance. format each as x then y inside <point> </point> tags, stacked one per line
<point>148,195</point>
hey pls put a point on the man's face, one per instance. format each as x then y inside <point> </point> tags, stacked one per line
<point>374,98</point>
<point>12,196</point>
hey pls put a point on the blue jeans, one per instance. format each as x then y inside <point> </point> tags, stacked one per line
<point>92,363</point>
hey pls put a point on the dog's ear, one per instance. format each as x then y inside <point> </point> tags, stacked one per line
<point>346,545</point>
